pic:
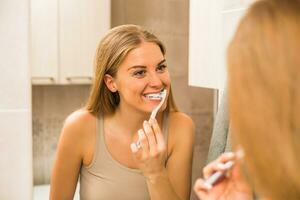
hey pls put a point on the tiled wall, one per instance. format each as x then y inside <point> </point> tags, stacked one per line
<point>15,105</point>
<point>168,19</point>
<point>51,105</point>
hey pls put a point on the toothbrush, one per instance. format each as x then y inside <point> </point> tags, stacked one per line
<point>210,181</point>
<point>162,95</point>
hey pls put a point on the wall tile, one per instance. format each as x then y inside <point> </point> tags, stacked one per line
<point>16,155</point>
<point>13,95</point>
<point>175,18</point>
<point>144,12</point>
<point>119,11</point>
<point>14,82</point>
<point>177,54</point>
<point>51,105</point>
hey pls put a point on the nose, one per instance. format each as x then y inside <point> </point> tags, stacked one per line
<point>155,80</point>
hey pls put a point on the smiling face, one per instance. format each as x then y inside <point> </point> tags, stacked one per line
<point>142,73</point>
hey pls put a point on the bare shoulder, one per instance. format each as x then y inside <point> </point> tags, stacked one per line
<point>73,150</point>
<point>181,128</point>
<point>79,131</point>
<point>79,118</point>
<point>79,122</point>
<point>180,120</point>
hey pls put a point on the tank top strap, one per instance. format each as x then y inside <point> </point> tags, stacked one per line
<point>97,142</point>
<point>100,138</point>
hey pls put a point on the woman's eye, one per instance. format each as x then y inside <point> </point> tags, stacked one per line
<point>139,73</point>
<point>161,68</point>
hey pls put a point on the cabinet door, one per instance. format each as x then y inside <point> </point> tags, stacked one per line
<point>204,43</point>
<point>212,25</point>
<point>82,25</point>
<point>44,41</point>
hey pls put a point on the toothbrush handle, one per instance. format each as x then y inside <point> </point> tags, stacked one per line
<point>218,175</point>
<point>153,114</point>
<point>214,178</point>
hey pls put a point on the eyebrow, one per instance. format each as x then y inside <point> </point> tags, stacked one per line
<point>142,66</point>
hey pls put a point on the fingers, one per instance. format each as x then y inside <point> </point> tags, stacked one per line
<point>143,140</point>
<point>159,136</point>
<point>140,144</point>
<point>150,140</point>
<point>226,157</point>
<point>218,164</point>
<point>201,189</point>
<point>150,136</point>
<point>134,148</point>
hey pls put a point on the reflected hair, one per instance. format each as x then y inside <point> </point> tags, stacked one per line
<point>264,96</point>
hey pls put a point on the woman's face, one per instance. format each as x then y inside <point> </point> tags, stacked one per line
<point>143,72</point>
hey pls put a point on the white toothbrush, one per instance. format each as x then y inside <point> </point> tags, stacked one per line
<point>162,95</point>
<point>210,181</point>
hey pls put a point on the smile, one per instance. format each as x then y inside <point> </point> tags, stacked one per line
<point>154,96</point>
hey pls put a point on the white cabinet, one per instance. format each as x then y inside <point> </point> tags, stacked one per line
<point>44,41</point>
<point>212,25</point>
<point>64,38</point>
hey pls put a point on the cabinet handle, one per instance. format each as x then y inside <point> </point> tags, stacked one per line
<point>70,78</point>
<point>51,79</point>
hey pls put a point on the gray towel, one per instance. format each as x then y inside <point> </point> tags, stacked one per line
<point>220,139</point>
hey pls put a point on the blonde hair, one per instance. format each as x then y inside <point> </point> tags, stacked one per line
<point>111,52</point>
<point>264,96</point>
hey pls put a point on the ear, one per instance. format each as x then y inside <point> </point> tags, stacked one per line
<point>110,83</point>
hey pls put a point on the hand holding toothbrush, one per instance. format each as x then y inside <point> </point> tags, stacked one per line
<point>151,155</point>
<point>161,96</point>
<point>150,149</point>
<point>223,180</point>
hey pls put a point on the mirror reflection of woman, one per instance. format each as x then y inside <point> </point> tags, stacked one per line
<point>98,142</point>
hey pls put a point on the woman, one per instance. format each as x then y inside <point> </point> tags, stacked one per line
<point>264,100</point>
<point>98,143</point>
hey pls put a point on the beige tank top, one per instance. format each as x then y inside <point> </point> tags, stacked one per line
<point>107,179</point>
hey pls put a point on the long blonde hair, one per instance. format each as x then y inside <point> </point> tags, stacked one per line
<point>111,52</point>
<point>264,95</point>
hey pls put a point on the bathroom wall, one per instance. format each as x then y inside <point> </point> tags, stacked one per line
<point>51,105</point>
<point>15,104</point>
<point>168,19</point>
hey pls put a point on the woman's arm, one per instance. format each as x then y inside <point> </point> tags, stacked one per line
<point>70,155</point>
<point>173,181</point>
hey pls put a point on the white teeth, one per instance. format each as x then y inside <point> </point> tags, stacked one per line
<point>156,96</point>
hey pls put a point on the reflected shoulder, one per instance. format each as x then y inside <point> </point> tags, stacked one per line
<point>181,125</point>
<point>79,125</point>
